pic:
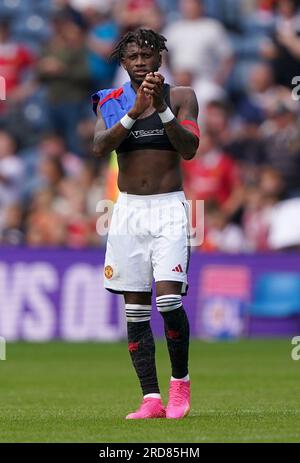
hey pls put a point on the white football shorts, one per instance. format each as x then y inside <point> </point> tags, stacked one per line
<point>148,238</point>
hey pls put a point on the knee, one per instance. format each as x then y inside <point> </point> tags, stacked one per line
<point>137,313</point>
<point>168,302</point>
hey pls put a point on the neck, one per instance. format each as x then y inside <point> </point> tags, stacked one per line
<point>135,85</point>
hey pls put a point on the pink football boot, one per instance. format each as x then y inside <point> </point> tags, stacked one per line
<point>179,399</point>
<point>150,408</point>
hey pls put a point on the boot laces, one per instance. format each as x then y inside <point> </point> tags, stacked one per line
<point>176,392</point>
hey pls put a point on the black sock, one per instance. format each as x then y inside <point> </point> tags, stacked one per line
<point>142,351</point>
<point>177,332</point>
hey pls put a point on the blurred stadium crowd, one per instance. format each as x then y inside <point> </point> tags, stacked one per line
<point>239,56</point>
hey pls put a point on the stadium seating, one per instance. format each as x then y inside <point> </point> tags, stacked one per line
<point>29,20</point>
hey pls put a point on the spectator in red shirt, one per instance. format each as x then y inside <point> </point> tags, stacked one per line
<point>212,175</point>
<point>15,59</point>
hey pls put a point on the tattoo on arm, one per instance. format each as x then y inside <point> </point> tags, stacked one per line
<point>107,140</point>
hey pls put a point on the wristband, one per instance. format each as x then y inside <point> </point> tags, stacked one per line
<point>166,116</point>
<point>127,122</point>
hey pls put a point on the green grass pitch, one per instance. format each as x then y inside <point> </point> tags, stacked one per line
<point>246,391</point>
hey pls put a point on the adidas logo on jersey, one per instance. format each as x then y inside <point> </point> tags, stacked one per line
<point>177,269</point>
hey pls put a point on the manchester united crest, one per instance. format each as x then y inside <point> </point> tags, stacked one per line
<point>108,272</point>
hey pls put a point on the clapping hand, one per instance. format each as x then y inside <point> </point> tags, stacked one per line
<point>153,87</point>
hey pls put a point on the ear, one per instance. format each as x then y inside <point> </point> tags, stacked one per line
<point>123,65</point>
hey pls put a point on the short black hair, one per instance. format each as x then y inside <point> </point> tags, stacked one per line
<point>143,38</point>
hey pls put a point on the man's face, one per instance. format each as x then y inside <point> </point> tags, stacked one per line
<point>191,9</point>
<point>140,61</point>
<point>286,8</point>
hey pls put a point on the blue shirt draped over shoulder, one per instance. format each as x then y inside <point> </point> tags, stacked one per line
<point>114,103</point>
